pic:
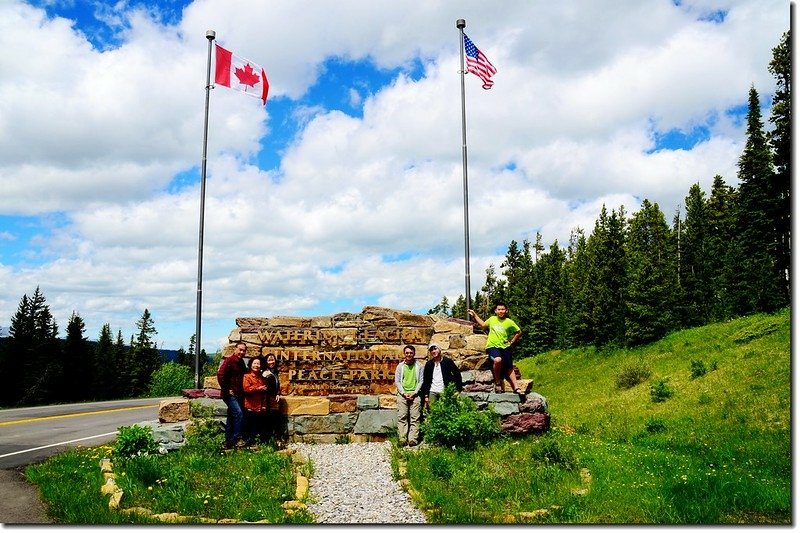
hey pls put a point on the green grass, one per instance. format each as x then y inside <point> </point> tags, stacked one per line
<point>717,451</point>
<point>198,481</point>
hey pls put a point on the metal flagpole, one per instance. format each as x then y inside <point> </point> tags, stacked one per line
<point>210,35</point>
<point>461,24</point>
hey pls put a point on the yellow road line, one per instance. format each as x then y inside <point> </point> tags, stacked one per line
<point>54,417</point>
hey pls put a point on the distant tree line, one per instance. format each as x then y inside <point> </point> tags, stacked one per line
<point>633,280</point>
<point>40,368</point>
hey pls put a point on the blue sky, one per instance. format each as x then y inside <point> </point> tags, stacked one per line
<point>345,190</point>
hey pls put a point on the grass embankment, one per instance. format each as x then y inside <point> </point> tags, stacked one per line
<point>703,439</point>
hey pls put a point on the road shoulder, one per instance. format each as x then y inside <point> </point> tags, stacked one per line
<point>20,503</point>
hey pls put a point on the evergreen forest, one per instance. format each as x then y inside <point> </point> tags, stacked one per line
<point>40,368</point>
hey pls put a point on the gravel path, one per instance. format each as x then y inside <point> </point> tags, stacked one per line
<point>352,484</point>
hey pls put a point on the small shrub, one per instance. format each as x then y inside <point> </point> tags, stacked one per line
<point>632,375</point>
<point>704,399</point>
<point>655,425</point>
<point>660,391</point>
<point>454,421</point>
<point>549,451</point>
<point>133,441</point>
<point>205,436</point>
<point>342,439</point>
<point>698,369</point>
<point>198,410</point>
<point>170,379</point>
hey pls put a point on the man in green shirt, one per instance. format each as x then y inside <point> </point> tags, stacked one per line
<point>503,334</point>
<point>408,380</point>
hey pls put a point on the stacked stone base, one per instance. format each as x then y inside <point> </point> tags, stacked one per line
<point>358,418</point>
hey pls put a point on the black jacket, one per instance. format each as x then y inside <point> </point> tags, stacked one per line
<point>450,374</point>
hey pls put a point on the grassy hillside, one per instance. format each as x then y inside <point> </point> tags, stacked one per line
<point>727,430</point>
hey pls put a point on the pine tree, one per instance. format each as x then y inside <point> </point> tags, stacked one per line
<point>722,254</point>
<point>77,361</point>
<point>580,326</point>
<point>756,286</point>
<point>607,278</point>
<point>35,362</point>
<point>695,274</point>
<point>780,139</point>
<point>520,287</point>
<point>651,275</point>
<point>106,367</point>
<point>442,307</point>
<point>493,290</point>
<point>547,300</point>
<point>459,309</point>
<point>144,356</point>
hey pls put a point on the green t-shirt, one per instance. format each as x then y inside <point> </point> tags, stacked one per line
<point>500,331</point>
<point>409,378</point>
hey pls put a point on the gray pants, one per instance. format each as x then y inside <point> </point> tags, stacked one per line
<point>408,415</point>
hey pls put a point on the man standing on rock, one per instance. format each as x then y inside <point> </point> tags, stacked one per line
<point>408,380</point>
<point>438,372</point>
<point>230,376</point>
<point>504,333</point>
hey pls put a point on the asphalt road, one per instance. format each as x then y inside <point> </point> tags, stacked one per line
<point>32,434</point>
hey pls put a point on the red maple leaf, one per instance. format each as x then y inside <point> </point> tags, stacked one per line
<point>247,76</point>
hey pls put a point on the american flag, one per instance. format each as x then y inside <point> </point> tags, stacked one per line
<point>479,64</point>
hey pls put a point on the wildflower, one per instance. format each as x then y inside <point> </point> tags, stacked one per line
<point>150,487</point>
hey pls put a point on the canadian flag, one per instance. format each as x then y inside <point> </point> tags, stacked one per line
<point>236,73</point>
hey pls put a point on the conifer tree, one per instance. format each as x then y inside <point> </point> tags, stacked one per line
<point>36,369</point>
<point>459,309</point>
<point>580,326</point>
<point>695,274</point>
<point>144,356</point>
<point>106,366</point>
<point>651,274</point>
<point>547,300</point>
<point>77,362</point>
<point>607,278</point>
<point>780,139</point>
<point>755,283</point>
<point>521,285</point>
<point>722,252</point>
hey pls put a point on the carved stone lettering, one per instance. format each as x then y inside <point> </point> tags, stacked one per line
<point>347,353</point>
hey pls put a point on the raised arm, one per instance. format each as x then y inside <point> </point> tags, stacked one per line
<point>478,319</point>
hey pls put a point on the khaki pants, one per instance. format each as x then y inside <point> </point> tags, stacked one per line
<point>408,415</point>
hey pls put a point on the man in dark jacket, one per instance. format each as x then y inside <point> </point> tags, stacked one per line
<point>439,371</point>
<point>230,376</point>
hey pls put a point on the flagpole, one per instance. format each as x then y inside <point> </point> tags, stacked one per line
<point>210,35</point>
<point>461,24</point>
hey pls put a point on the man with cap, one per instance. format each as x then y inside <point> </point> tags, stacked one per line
<point>438,372</point>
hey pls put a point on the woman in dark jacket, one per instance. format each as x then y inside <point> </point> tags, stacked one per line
<point>439,371</point>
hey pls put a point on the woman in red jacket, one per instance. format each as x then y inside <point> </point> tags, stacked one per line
<point>255,402</point>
